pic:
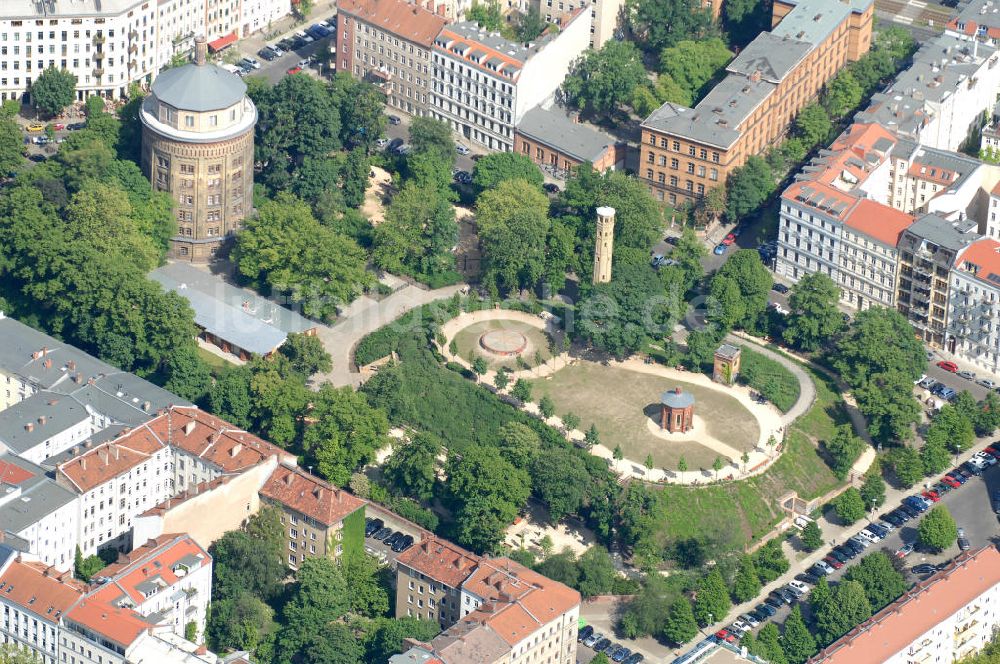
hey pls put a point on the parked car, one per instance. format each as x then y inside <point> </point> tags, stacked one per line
<point>584,632</point>
<point>967,375</point>
<point>892,518</point>
<point>765,609</point>
<point>286,44</point>
<point>634,658</point>
<point>944,392</point>
<point>879,530</point>
<point>927,383</point>
<point>826,567</point>
<point>602,644</point>
<point>931,496</point>
<point>462,149</point>
<point>729,239</point>
<point>749,619</point>
<point>798,586</point>
<point>987,383</point>
<point>963,541</point>
<point>382,534</point>
<point>620,654</point>
<point>719,250</point>
<point>923,568</point>
<point>996,501</point>
<point>276,49</point>
<point>774,602</point>
<point>837,555</point>
<point>726,635</point>
<point>394,120</point>
<point>900,514</point>
<point>948,366</point>
<point>847,552</point>
<point>941,488</point>
<point>917,503</point>
<point>856,547</point>
<point>592,639</point>
<point>987,459</point>
<point>611,648</point>
<point>948,480</point>
<point>780,288</point>
<point>550,188</point>
<point>904,550</point>
<point>861,541</point>
<point>35,127</point>
<point>972,468</point>
<point>74,126</point>
<point>373,526</point>
<point>959,476</point>
<point>294,70</point>
<point>832,561</point>
<point>403,543</point>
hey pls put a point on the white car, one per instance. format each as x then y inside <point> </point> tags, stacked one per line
<point>984,459</point>
<point>777,306</point>
<point>749,619</point>
<point>798,588</point>
<point>862,541</point>
<point>801,521</point>
<point>251,61</point>
<point>871,537</point>
<point>462,149</point>
<point>823,565</point>
<point>922,378</point>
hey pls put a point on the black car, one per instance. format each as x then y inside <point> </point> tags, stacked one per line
<point>765,609</point>
<point>392,539</point>
<point>585,632</point>
<point>972,469</point>
<point>856,547</point>
<point>774,603</point>
<point>816,570</point>
<point>394,120</point>
<point>806,577</point>
<point>610,649</point>
<point>924,568</point>
<point>909,511</point>
<point>601,645</point>
<point>759,616</point>
<point>780,288</point>
<point>73,126</point>
<point>373,526</point>
<point>838,556</point>
<point>893,518</point>
<point>403,544</point>
<point>382,534</point>
<point>900,514</point>
<point>298,42</point>
<point>550,188</point>
<point>286,44</point>
<point>620,654</point>
<point>848,552</point>
<point>634,658</point>
<point>267,54</point>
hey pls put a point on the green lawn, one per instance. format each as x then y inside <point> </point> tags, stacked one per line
<point>770,378</point>
<point>215,363</point>
<point>619,402</point>
<point>827,412</point>
<point>467,342</point>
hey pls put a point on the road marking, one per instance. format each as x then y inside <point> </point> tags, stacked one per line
<point>903,19</point>
<point>917,3</point>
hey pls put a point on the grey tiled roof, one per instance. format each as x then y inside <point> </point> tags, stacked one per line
<point>199,88</point>
<point>237,315</point>
<point>952,235</point>
<point>39,497</point>
<point>553,127</point>
<point>771,55</point>
<point>46,414</point>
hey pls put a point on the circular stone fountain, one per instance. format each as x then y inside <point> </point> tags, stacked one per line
<point>505,343</point>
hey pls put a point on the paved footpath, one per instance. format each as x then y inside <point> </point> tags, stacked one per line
<point>363,317</point>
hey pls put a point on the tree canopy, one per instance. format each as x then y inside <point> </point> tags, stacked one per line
<point>601,81</point>
<point>53,90</point>
<point>814,318</point>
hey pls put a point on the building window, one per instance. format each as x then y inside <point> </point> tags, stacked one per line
<point>188,120</point>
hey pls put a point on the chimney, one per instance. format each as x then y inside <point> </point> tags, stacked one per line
<point>77,378</point>
<point>29,427</point>
<point>71,365</point>
<point>677,390</point>
<point>235,449</point>
<point>288,479</point>
<point>318,493</point>
<point>45,350</point>
<point>200,50</point>
<point>83,463</point>
<point>202,650</point>
<point>47,363</point>
<point>41,420</point>
<point>189,427</point>
<point>146,406</point>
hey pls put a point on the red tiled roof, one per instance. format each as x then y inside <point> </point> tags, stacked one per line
<point>186,495</point>
<point>881,222</point>
<point>981,258</point>
<point>403,19</point>
<point>520,601</point>
<point>440,560</point>
<point>214,440</point>
<point>222,42</point>
<point>156,558</point>
<point>309,495</point>
<point>123,626</point>
<point>108,460</point>
<point>930,602</point>
<point>40,589</point>
<point>11,473</point>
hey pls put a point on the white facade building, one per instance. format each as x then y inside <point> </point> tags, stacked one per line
<point>483,85</point>
<point>974,305</point>
<point>37,516</point>
<point>946,618</point>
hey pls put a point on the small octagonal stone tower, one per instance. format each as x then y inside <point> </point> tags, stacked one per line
<point>727,364</point>
<point>676,411</point>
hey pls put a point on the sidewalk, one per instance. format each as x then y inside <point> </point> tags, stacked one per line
<point>283,27</point>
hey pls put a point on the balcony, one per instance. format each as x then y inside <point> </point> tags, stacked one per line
<point>98,72</point>
<point>134,48</point>
<point>99,38</point>
<point>133,35</point>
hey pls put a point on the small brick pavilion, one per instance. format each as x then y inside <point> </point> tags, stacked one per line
<point>676,411</point>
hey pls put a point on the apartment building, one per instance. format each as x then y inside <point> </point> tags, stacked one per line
<point>973,313</point>
<point>556,140</point>
<point>313,514</point>
<point>429,578</point>
<point>687,151</point>
<point>925,179</point>
<point>121,479</point>
<point>483,85</point>
<point>167,581</point>
<point>977,20</point>
<point>869,274</point>
<point>940,99</point>
<point>110,44</point>
<point>388,42</point>
<point>607,17</point>
<point>34,600</point>
<point>510,614</point>
<point>37,516</point>
<point>946,618</point>
<point>928,250</point>
<point>53,395</point>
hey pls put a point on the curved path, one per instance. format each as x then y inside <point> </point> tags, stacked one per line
<point>807,391</point>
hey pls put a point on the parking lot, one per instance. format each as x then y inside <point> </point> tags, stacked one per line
<point>376,546</point>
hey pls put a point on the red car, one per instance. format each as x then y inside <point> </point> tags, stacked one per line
<point>992,451</point>
<point>729,239</point>
<point>948,366</point>
<point>833,562</point>
<point>931,496</point>
<point>950,481</point>
<point>725,635</point>
<point>58,126</point>
<point>296,70</point>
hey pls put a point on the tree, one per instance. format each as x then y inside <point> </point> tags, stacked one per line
<point>186,374</point>
<point>354,176</point>
<point>711,602</point>
<point>937,530</point>
<point>746,585</point>
<point>513,231</point>
<point>53,90</point>
<point>284,249</point>
<point>693,64</point>
<point>850,506</point>
<point>499,167</point>
<point>951,429</point>
<point>11,158</point>
<point>303,8</point>
<point>530,25</point>
<point>848,606</point>
<point>844,449</point>
<point>618,454</point>
<point>815,318</point>
<point>521,390</point>
<point>385,638</point>
<point>480,366</point>
<point>770,561</point>
<point>748,187</point>
<point>842,94</point>
<point>428,135</point>
<point>769,645</point>
<point>717,466</point>
<point>412,468</point>
<point>336,644</point>
<point>545,405</point>
<point>418,233</point>
<point>487,15</point>
<point>873,488</point>
<point>680,626</point>
<point>934,457</point>
<point>682,464</point>
<point>601,81</point>
<point>501,379</point>
<point>597,572</point>
<point>881,581</point>
<point>85,568</point>
<point>306,354</point>
<point>560,567</point>
<point>797,641</point>
<point>320,596</point>
<point>752,280</point>
<point>250,560</point>
<point>365,579</point>
<point>813,125</point>
<point>519,444</point>
<point>571,421</point>
<point>811,536</point>
<point>560,479</point>
<point>907,465</point>
<point>658,24</point>
<point>648,462</point>
<point>345,433</point>
<point>488,491</point>
<point>243,622</point>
